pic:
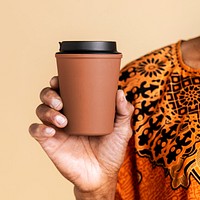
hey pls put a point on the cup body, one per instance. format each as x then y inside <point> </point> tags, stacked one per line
<point>88,86</point>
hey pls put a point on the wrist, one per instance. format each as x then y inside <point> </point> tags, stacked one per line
<point>106,192</point>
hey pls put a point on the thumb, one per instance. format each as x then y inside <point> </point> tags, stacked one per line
<point>124,109</point>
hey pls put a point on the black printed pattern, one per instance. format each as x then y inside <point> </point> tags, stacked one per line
<point>166,125</point>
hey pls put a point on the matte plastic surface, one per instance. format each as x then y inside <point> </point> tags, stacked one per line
<point>88,85</point>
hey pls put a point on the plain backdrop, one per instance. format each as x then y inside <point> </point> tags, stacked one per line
<point>29,34</point>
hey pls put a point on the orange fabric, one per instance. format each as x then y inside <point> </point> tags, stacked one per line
<point>163,156</point>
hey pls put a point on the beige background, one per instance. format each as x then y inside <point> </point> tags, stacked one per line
<point>30,31</point>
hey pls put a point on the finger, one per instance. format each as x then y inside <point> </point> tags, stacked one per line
<point>124,108</point>
<point>123,115</point>
<point>54,83</point>
<point>51,116</point>
<point>41,132</point>
<point>51,98</point>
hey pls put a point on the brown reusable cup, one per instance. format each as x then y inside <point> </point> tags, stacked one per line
<point>88,73</point>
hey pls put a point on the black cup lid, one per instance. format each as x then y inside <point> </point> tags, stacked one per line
<point>108,47</point>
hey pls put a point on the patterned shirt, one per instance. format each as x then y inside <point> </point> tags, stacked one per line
<point>163,155</point>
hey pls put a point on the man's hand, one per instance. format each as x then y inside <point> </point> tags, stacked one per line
<point>90,163</point>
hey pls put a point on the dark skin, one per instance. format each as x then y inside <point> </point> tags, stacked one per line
<point>91,163</point>
<point>191,52</point>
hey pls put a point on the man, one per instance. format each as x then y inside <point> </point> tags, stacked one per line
<point>153,152</point>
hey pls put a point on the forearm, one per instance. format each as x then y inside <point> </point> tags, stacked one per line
<point>107,192</point>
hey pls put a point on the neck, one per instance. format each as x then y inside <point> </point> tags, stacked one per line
<point>191,52</point>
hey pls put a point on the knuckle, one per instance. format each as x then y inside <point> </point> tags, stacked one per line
<point>33,128</point>
<point>46,93</point>
<point>37,131</point>
<point>41,128</point>
<point>39,110</point>
<point>30,129</point>
<point>46,114</point>
<point>54,81</point>
<point>54,78</point>
<point>50,93</point>
<point>51,115</point>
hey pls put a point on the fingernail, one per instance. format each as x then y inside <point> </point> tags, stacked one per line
<point>122,98</point>
<point>49,130</point>
<point>60,120</point>
<point>55,103</point>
